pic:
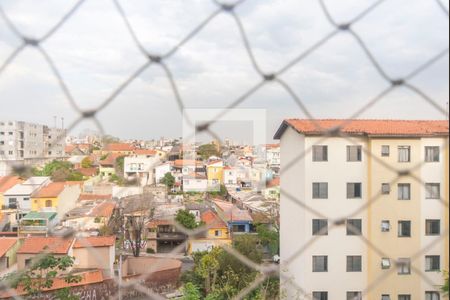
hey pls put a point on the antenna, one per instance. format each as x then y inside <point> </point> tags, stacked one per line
<point>62,122</point>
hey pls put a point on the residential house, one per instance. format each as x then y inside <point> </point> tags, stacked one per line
<point>58,197</point>
<point>78,149</point>
<point>238,220</point>
<point>195,182</point>
<point>216,235</point>
<point>141,167</point>
<point>230,176</point>
<point>187,167</point>
<point>121,149</point>
<point>108,164</point>
<point>88,218</point>
<point>162,170</point>
<point>272,190</point>
<point>8,249</point>
<point>335,177</point>
<point>214,171</point>
<point>163,236</point>
<point>37,224</point>
<point>7,182</point>
<point>273,156</point>
<point>95,252</point>
<point>76,160</point>
<point>33,246</point>
<point>19,196</point>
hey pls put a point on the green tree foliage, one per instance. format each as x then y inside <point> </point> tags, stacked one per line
<point>207,150</point>
<point>220,275</point>
<point>191,292</point>
<point>59,171</point>
<point>269,238</point>
<point>186,219</point>
<point>86,162</point>
<point>41,275</point>
<point>168,180</point>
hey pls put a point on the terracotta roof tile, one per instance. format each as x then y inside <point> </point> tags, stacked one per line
<point>119,147</point>
<point>95,241</point>
<point>145,152</point>
<point>187,162</point>
<point>104,209</point>
<point>274,182</point>
<point>212,220</point>
<point>7,182</point>
<point>110,160</point>
<point>51,190</point>
<point>368,127</point>
<point>54,245</point>
<point>88,171</point>
<point>6,243</point>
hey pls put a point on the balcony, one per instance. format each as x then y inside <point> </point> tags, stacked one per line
<point>10,206</point>
<point>33,228</point>
<point>171,236</point>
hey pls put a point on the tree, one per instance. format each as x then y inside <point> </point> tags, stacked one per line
<point>86,162</point>
<point>269,238</point>
<point>207,150</point>
<point>59,171</point>
<point>168,180</point>
<point>445,286</point>
<point>186,219</point>
<point>191,292</point>
<point>41,275</point>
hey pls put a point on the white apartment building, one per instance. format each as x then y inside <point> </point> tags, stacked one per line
<point>141,167</point>
<point>25,143</point>
<point>324,181</point>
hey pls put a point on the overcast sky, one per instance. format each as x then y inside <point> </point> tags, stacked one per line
<point>95,53</point>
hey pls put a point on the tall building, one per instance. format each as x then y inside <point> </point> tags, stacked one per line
<point>26,143</point>
<point>354,224</point>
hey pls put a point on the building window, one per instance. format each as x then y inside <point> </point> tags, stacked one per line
<point>320,295</point>
<point>48,203</point>
<point>10,152</point>
<point>404,154</point>
<point>320,263</point>
<point>354,190</point>
<point>320,153</point>
<point>404,228</point>
<point>385,150</point>
<point>432,154</point>
<point>354,264</point>
<point>320,190</point>
<point>432,295</point>
<point>354,226</point>
<point>217,233</point>
<point>404,191</point>
<point>26,199</point>
<point>432,263</point>
<point>385,188</point>
<point>28,262</point>
<point>320,227</point>
<point>404,297</point>
<point>432,191</point>
<point>2,142</point>
<point>354,153</point>
<point>385,226</point>
<point>354,295</point>
<point>385,263</point>
<point>385,297</point>
<point>404,266</point>
<point>432,227</point>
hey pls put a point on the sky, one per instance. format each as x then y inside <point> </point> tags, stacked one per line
<point>95,53</point>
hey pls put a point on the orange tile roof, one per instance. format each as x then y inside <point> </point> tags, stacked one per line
<point>232,213</point>
<point>94,197</point>
<point>51,190</point>
<point>89,277</point>
<point>54,245</point>
<point>274,182</point>
<point>88,171</point>
<point>145,152</point>
<point>119,147</point>
<point>212,220</point>
<point>187,162</point>
<point>7,182</point>
<point>110,160</point>
<point>6,243</point>
<point>95,241</point>
<point>155,223</point>
<point>368,127</point>
<point>104,209</point>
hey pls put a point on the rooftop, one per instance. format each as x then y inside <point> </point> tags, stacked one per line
<point>416,128</point>
<point>54,245</point>
<point>37,180</point>
<point>35,215</point>
<point>7,182</point>
<point>6,243</point>
<point>95,241</point>
<point>212,220</point>
<point>231,212</point>
<point>51,190</point>
<point>119,147</point>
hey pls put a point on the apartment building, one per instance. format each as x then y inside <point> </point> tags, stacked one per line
<point>25,143</point>
<point>352,226</point>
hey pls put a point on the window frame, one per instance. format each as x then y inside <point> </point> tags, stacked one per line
<point>320,295</point>
<point>355,185</point>
<point>432,264</point>
<point>400,149</point>
<point>323,154</point>
<point>428,225</point>
<point>406,265</point>
<point>358,153</point>
<point>383,152</point>
<point>314,264</point>
<point>319,195</point>
<point>429,189</point>
<point>400,228</point>
<point>351,259</point>
<point>400,187</point>
<point>433,155</point>
<point>316,224</point>
<point>351,232</point>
